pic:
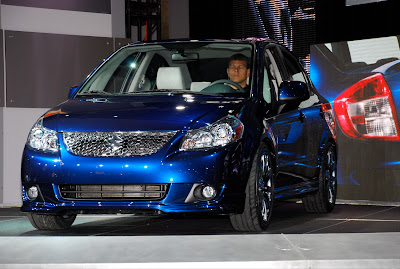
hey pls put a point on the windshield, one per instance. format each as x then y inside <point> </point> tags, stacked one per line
<point>170,67</point>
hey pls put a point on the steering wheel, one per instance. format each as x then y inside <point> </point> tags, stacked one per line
<point>230,82</point>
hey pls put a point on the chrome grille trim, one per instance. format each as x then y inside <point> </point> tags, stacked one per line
<point>113,192</point>
<point>115,144</point>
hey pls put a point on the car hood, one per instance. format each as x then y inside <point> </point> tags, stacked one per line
<point>140,113</point>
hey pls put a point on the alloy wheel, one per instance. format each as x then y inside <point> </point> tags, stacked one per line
<point>330,175</point>
<point>265,186</point>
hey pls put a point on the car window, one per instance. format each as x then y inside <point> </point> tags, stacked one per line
<point>266,86</point>
<point>290,70</point>
<point>183,66</point>
<point>271,76</point>
<point>271,68</point>
<point>294,71</point>
<point>147,81</point>
<point>114,79</point>
<point>367,51</point>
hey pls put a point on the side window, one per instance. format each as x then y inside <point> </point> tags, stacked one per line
<point>272,77</point>
<point>294,71</point>
<point>266,86</point>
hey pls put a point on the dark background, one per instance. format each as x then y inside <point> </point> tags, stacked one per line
<point>97,6</point>
<point>334,20</point>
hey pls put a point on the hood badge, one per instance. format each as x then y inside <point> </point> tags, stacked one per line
<point>114,143</point>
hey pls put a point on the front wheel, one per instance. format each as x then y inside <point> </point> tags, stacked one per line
<point>257,211</point>
<point>51,222</point>
<point>325,198</point>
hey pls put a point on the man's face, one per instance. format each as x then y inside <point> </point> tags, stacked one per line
<point>238,72</point>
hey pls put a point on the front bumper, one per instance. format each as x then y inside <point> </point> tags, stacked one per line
<point>221,204</point>
<point>182,171</point>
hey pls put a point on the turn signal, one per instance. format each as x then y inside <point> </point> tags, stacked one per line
<point>329,118</point>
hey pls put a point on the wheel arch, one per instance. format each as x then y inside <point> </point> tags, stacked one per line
<point>269,142</point>
<point>322,149</point>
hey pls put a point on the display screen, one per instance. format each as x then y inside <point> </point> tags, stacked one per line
<point>361,2</point>
<point>290,22</point>
<point>361,79</point>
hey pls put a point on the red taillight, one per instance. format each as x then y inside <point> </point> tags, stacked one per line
<point>366,110</point>
<point>330,120</point>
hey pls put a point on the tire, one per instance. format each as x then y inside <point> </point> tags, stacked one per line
<point>325,198</point>
<point>257,211</point>
<point>51,222</point>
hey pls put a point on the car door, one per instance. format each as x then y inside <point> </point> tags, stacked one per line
<point>297,127</point>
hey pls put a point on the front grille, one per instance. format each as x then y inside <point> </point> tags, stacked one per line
<point>113,192</point>
<point>115,144</point>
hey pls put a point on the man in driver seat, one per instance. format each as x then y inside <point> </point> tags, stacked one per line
<point>238,70</point>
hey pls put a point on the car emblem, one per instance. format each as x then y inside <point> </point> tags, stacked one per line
<point>114,143</point>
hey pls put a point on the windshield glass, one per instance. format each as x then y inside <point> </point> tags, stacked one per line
<point>171,67</point>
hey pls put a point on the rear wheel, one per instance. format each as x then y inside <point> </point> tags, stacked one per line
<point>325,198</point>
<point>257,211</point>
<point>51,222</point>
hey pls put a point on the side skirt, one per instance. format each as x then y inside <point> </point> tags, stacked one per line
<point>296,190</point>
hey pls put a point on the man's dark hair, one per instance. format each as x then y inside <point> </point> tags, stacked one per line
<point>240,57</point>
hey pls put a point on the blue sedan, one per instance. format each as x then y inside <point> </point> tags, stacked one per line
<point>221,127</point>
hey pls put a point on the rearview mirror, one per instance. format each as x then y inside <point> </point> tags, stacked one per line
<point>187,56</point>
<point>290,91</point>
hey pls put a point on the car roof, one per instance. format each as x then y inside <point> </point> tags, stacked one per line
<point>250,40</point>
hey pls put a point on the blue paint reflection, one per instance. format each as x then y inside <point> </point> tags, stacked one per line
<point>348,180</point>
<point>390,163</point>
<point>315,75</point>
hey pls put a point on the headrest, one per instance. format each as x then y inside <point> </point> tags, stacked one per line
<point>170,78</point>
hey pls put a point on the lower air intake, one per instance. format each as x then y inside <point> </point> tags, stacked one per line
<point>113,192</point>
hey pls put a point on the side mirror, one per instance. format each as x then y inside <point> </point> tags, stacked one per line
<point>292,91</point>
<point>72,92</point>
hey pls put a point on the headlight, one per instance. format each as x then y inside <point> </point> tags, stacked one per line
<point>218,134</point>
<point>41,138</point>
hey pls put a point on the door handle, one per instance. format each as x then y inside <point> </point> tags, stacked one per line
<point>302,116</point>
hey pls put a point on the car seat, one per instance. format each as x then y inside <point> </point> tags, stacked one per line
<point>170,78</point>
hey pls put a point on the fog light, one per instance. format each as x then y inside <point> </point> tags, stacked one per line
<point>32,193</point>
<point>205,192</point>
<point>208,192</point>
